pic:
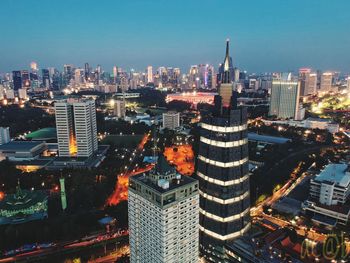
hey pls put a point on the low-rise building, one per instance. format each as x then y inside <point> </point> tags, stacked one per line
<point>171,120</point>
<point>329,196</point>
<point>22,150</point>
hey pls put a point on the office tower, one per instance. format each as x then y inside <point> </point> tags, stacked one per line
<point>10,94</point>
<point>163,216</point>
<point>284,101</point>
<point>177,76</point>
<point>304,78</point>
<point>46,78</point>
<point>4,135</point>
<point>328,196</point>
<point>171,120</point>
<point>326,82</point>
<point>348,83</point>
<point>193,78</point>
<point>222,171</point>
<point>86,71</point>
<point>33,66</point>
<point>312,85</point>
<point>149,74</point>
<point>17,79</point>
<point>76,128</point>
<point>119,108</point>
<point>236,74</point>
<point>78,76</point>
<point>226,87</point>
<point>68,73</point>
<point>25,79</point>
<point>22,94</point>
<point>115,74</point>
<point>210,77</point>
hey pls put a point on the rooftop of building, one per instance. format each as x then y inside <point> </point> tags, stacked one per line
<point>163,177</point>
<point>43,134</point>
<point>266,138</point>
<point>22,199</point>
<point>337,173</point>
<point>20,145</point>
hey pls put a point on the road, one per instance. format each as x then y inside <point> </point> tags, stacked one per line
<point>65,248</point>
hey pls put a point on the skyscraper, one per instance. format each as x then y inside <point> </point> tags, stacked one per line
<point>227,66</point>
<point>17,79</point>
<point>4,135</point>
<point>312,85</point>
<point>284,102</point>
<point>86,71</point>
<point>326,82</point>
<point>46,78</point>
<point>304,78</point>
<point>163,216</point>
<point>149,74</point>
<point>25,79</point>
<point>222,171</point>
<point>76,128</point>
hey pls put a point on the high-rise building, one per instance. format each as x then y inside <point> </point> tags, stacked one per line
<point>304,78</point>
<point>348,83</point>
<point>222,171</point>
<point>312,85</point>
<point>171,120</point>
<point>119,108</point>
<point>25,79</point>
<point>326,82</point>
<point>33,66</point>
<point>149,74</point>
<point>86,71</point>
<point>285,96</point>
<point>76,128</point>
<point>46,78</point>
<point>17,79</point>
<point>4,135</point>
<point>163,216</point>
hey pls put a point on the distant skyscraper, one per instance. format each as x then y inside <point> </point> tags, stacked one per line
<point>285,94</point>
<point>222,171</point>
<point>312,84</point>
<point>86,71</point>
<point>76,128</point>
<point>149,74</point>
<point>4,135</point>
<point>25,79</point>
<point>348,83</point>
<point>34,66</point>
<point>17,79</point>
<point>304,78</point>
<point>163,216</point>
<point>46,78</point>
<point>326,81</point>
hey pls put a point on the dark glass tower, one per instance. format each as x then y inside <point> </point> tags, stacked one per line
<point>222,171</point>
<point>17,79</point>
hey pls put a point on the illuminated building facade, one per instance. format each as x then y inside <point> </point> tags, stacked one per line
<point>226,87</point>
<point>163,216</point>
<point>222,171</point>
<point>285,94</point>
<point>326,82</point>
<point>76,128</point>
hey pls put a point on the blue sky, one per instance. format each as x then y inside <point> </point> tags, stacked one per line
<point>266,35</point>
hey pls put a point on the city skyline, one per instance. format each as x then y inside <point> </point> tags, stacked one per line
<point>262,38</point>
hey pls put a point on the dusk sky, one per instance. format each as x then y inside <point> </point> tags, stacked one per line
<point>269,35</point>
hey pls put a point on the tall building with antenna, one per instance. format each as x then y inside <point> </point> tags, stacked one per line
<point>222,171</point>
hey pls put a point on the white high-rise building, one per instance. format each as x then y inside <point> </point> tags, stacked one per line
<point>163,209</point>
<point>171,120</point>
<point>76,128</point>
<point>312,85</point>
<point>285,94</point>
<point>149,74</point>
<point>326,81</point>
<point>4,135</point>
<point>119,108</point>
